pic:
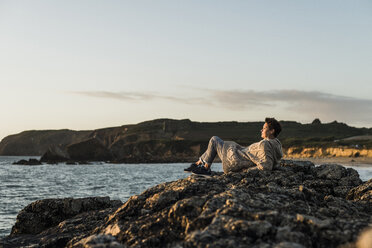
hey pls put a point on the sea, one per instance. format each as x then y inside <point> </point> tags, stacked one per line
<point>20,185</point>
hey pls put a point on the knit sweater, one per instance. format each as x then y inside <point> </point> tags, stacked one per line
<point>265,155</point>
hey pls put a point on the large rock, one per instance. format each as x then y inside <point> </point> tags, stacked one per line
<point>339,179</point>
<point>296,205</point>
<point>89,150</point>
<point>43,214</point>
<point>55,154</point>
<point>74,229</point>
<point>293,206</point>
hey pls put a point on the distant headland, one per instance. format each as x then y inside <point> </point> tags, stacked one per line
<point>169,140</point>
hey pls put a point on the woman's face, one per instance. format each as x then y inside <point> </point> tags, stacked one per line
<point>266,132</point>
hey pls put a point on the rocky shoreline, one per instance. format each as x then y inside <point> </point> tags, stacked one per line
<point>297,205</point>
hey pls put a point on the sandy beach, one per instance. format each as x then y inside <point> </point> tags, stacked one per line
<point>360,161</point>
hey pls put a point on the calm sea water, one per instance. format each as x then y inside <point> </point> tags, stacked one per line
<point>21,185</point>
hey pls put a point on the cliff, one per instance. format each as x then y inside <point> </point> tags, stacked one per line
<point>296,205</point>
<point>309,152</point>
<point>36,143</point>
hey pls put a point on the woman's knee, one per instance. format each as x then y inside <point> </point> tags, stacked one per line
<point>215,138</point>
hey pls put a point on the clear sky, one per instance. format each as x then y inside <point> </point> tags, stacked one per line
<point>92,64</point>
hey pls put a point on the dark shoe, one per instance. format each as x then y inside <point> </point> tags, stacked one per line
<point>192,166</point>
<point>202,171</point>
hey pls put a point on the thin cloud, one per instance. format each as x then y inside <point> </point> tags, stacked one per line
<point>135,96</point>
<point>307,104</point>
<point>124,96</point>
<point>304,103</point>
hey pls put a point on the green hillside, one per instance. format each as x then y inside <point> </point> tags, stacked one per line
<point>322,135</point>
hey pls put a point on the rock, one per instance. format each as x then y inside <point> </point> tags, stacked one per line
<point>296,205</point>
<point>316,121</point>
<point>333,179</point>
<point>55,154</point>
<point>65,234</point>
<point>89,150</point>
<point>242,211</point>
<point>79,153</point>
<point>71,163</point>
<point>286,234</point>
<point>288,245</point>
<point>98,241</point>
<point>43,214</point>
<point>330,171</point>
<point>31,161</point>
<point>297,166</point>
<point>361,193</point>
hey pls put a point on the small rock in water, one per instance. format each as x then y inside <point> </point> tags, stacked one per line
<point>31,161</point>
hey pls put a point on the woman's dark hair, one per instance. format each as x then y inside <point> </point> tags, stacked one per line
<point>273,124</point>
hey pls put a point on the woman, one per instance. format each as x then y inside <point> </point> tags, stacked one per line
<point>263,155</point>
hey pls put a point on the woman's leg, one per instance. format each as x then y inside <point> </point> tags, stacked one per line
<point>215,146</point>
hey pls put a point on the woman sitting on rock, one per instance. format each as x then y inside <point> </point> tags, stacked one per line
<point>263,155</point>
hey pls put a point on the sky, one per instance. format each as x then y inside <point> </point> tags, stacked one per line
<point>85,64</point>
